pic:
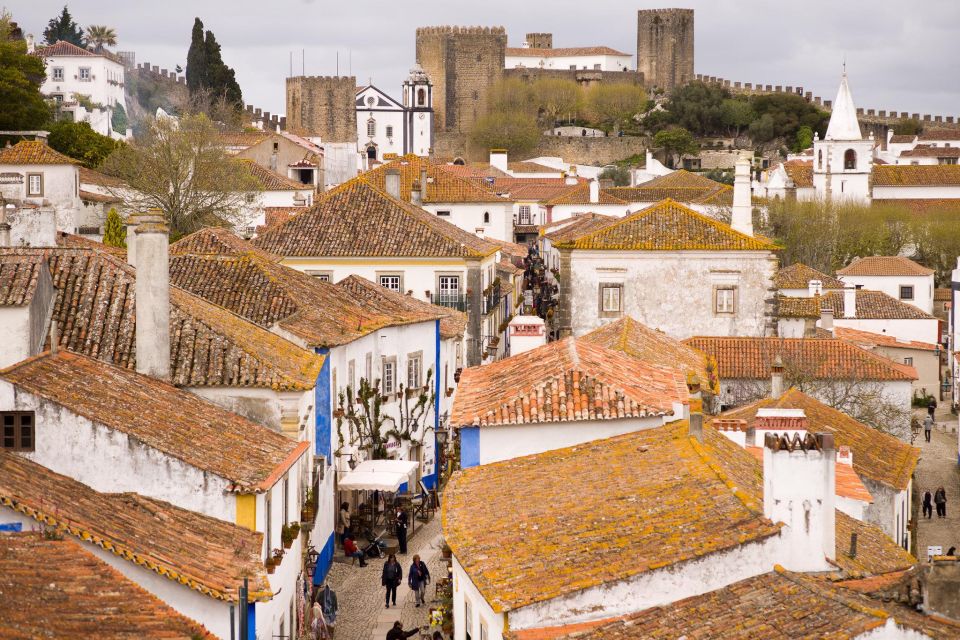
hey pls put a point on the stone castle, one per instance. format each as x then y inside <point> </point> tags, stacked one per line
<point>665,46</point>
<point>323,106</point>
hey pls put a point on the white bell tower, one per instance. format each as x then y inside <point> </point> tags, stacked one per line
<point>418,102</point>
<point>843,160</point>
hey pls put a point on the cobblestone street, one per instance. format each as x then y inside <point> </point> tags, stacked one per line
<point>362,613</point>
<point>938,467</point>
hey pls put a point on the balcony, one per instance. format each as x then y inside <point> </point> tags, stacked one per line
<point>491,298</point>
<point>456,301</point>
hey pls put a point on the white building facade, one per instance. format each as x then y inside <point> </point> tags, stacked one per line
<point>385,126</point>
<point>843,160</point>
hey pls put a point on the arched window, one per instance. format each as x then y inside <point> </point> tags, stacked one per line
<point>459,161</point>
<point>486,217</point>
<point>850,159</point>
<point>371,128</point>
<point>421,97</point>
<point>820,159</point>
<point>371,152</point>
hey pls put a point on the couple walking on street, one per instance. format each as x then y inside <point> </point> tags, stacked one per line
<point>939,498</point>
<point>417,578</point>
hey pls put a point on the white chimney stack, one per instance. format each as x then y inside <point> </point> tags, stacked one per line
<point>776,379</point>
<point>594,191</point>
<point>152,240</point>
<point>392,183</point>
<point>742,215</point>
<point>814,288</point>
<point>850,302</point>
<point>799,488</point>
<point>132,221</point>
<point>498,159</point>
<point>826,319</point>
<point>570,178</point>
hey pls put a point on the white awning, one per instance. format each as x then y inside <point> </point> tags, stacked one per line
<point>371,480</point>
<point>390,466</point>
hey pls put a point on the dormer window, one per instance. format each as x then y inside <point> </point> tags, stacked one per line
<point>850,159</point>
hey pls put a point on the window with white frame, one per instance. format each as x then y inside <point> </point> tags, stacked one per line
<point>468,618</point>
<point>414,370</point>
<point>725,300</point>
<point>524,214</point>
<point>249,197</point>
<point>58,74</point>
<point>83,73</point>
<point>611,299</point>
<point>34,184</point>
<point>371,128</point>
<point>392,282</point>
<point>389,379</point>
<point>908,362</point>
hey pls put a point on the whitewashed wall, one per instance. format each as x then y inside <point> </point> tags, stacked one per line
<point>482,614</point>
<point>580,62</point>
<point>469,217</point>
<point>890,285</point>
<point>921,330</point>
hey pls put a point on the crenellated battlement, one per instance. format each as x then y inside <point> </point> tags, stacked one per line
<point>686,13</point>
<point>460,30</point>
<point>352,80</point>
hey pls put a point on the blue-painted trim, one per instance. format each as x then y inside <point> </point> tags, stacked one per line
<point>324,560</point>
<point>469,447</point>
<point>430,481</point>
<point>252,621</point>
<point>324,427</point>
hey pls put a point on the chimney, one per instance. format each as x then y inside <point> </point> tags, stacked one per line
<point>423,184</point>
<point>742,216</point>
<point>594,192</point>
<point>815,288</point>
<point>392,182</point>
<point>696,410</point>
<point>4,226</point>
<point>845,456</point>
<point>132,221</point>
<point>826,319</point>
<point>776,378</point>
<point>480,232</point>
<point>498,159</point>
<point>152,239</point>
<point>570,177</point>
<point>799,488</point>
<point>54,337</point>
<point>850,302</point>
<point>415,193</point>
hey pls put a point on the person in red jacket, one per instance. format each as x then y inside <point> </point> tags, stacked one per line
<point>350,550</point>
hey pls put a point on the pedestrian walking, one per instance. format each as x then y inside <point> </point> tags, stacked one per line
<point>402,521</point>
<point>940,499</point>
<point>927,426</point>
<point>397,632</point>
<point>343,522</point>
<point>418,578</point>
<point>928,504</point>
<point>931,407</point>
<point>392,576</point>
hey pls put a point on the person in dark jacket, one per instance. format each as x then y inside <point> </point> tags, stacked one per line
<point>397,633</point>
<point>927,504</point>
<point>940,499</point>
<point>392,576</point>
<point>418,578</point>
<point>402,521</point>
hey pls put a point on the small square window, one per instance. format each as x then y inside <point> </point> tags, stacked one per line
<point>84,73</point>
<point>906,292</point>
<point>908,362</point>
<point>725,300</point>
<point>389,131</point>
<point>443,214</point>
<point>58,73</point>
<point>34,184</point>
<point>250,198</point>
<point>611,300</point>
<point>392,282</point>
<point>18,431</point>
<point>414,370</point>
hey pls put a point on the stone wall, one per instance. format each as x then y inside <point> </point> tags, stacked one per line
<point>584,77</point>
<point>665,46</point>
<point>323,106</point>
<point>540,40</point>
<point>575,149</point>
<point>463,63</point>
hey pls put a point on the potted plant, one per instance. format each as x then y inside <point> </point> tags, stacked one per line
<point>306,514</point>
<point>338,412</point>
<point>270,564</point>
<point>449,391</point>
<point>286,536</point>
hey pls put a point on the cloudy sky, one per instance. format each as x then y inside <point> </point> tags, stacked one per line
<point>898,58</point>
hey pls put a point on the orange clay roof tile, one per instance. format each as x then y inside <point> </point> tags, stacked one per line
<point>906,175</point>
<point>798,276</point>
<point>33,152</point>
<point>443,186</point>
<point>379,299</point>
<point>870,305</point>
<point>884,266</point>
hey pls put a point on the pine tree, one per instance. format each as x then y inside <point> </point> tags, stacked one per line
<point>114,234</point>
<point>64,28</point>
<point>196,59</point>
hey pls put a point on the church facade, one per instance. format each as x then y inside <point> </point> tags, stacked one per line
<point>386,126</point>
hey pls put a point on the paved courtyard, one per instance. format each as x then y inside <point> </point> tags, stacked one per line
<point>362,613</point>
<point>938,467</point>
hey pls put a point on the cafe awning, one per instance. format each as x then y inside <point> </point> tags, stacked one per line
<point>372,480</point>
<point>391,466</point>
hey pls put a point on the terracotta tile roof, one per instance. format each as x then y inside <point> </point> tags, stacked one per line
<point>89,176</point>
<point>270,180</point>
<point>532,190</point>
<point>722,195</point>
<point>56,589</point>
<point>563,52</point>
<point>822,359</point>
<point>667,226</point>
<point>209,346</point>
<point>926,151</point>
<point>473,170</point>
<point>224,269</point>
<point>577,226</point>
<point>443,186</point>
<point>941,294</point>
<point>876,552</point>
<point>33,152</point>
<point>624,528</point>
<point>868,340</point>
<point>175,422</point>
<point>64,48</point>
<point>884,266</point>
<point>357,219</point>
<point>656,347</point>
<point>580,194</point>
<point>203,553</point>
<point>909,175</point>
<point>876,455</point>
<point>848,484</point>
<point>526,166</point>
<point>682,180</point>
<point>871,305</point>
<point>902,138</point>
<point>377,299</point>
<point>939,134</point>
<point>798,276</point>
<point>19,276</point>
<point>772,606</point>
<point>566,380</point>
<point>800,172</point>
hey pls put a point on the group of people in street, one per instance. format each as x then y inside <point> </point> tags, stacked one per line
<point>417,579</point>
<point>939,499</point>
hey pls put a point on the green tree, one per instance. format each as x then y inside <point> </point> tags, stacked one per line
<point>557,99</point>
<point>804,139</point>
<point>182,169</point>
<point>736,115</point>
<point>79,141</point>
<point>762,129</point>
<point>675,142</point>
<point>114,233</point>
<point>22,107</point>
<point>196,58</point>
<point>100,36</point>
<point>698,108</point>
<point>516,132</point>
<point>221,79</point>
<point>610,103</point>
<point>208,78</point>
<point>908,127</point>
<point>64,28</point>
<point>118,120</point>
<point>789,112</point>
<point>619,175</point>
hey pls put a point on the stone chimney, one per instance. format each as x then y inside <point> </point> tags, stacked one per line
<point>415,193</point>
<point>742,215</point>
<point>132,221</point>
<point>799,488</point>
<point>826,319</point>
<point>4,227</point>
<point>850,302</point>
<point>815,288</point>
<point>594,192</point>
<point>776,378</point>
<point>152,240</point>
<point>424,181</point>
<point>570,177</point>
<point>498,159</point>
<point>392,183</point>
<point>696,409</point>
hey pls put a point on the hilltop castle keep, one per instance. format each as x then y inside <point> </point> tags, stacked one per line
<point>665,46</point>
<point>323,106</point>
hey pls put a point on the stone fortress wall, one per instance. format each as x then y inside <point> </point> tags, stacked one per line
<point>665,39</point>
<point>324,106</point>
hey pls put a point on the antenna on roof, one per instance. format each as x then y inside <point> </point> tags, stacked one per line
<point>338,64</point>
<point>303,62</point>
<point>844,64</point>
<point>291,64</point>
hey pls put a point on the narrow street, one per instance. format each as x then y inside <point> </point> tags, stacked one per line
<point>938,467</point>
<point>362,614</point>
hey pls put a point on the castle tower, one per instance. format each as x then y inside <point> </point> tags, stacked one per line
<point>463,63</point>
<point>843,160</point>
<point>665,47</point>
<point>323,106</point>
<point>418,104</point>
<point>540,40</point>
